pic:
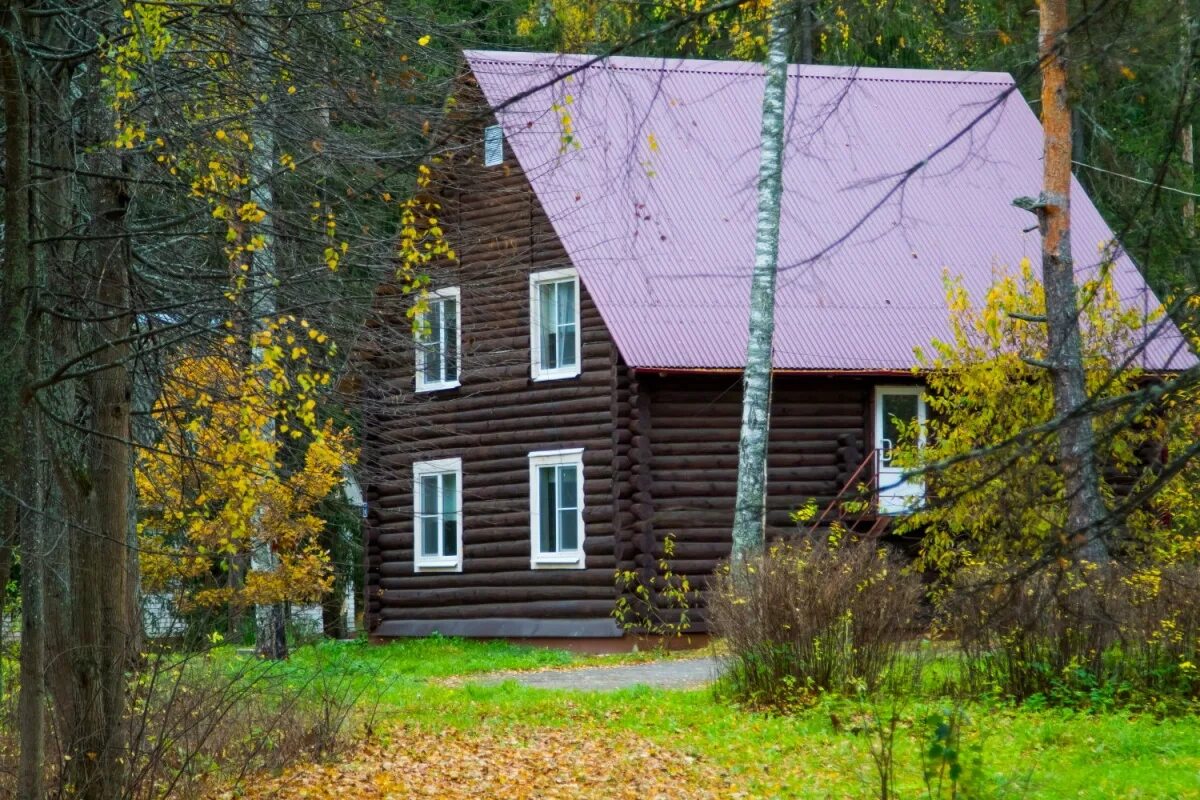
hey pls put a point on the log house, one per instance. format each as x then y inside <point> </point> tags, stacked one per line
<point>576,398</point>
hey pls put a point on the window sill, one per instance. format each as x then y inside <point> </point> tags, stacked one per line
<point>555,375</point>
<point>438,565</point>
<point>436,387</point>
<point>565,561</point>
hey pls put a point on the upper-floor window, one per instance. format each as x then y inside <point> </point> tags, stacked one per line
<point>437,514</point>
<point>438,342</point>
<point>554,323</point>
<point>493,145</point>
<point>556,508</point>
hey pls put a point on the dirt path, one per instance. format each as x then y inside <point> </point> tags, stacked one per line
<point>685,673</point>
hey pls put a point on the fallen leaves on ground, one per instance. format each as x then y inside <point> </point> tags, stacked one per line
<point>543,763</point>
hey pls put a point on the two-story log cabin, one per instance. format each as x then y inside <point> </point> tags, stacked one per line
<point>577,396</point>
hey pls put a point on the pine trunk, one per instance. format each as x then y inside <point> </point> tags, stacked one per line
<point>1076,438</point>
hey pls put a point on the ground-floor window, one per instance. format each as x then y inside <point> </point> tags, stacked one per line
<point>556,508</point>
<point>437,515</point>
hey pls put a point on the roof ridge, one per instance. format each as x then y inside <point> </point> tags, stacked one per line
<point>794,70</point>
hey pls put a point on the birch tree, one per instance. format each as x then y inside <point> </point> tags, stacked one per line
<point>749,516</point>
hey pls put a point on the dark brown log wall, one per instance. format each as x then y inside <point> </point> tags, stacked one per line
<point>691,450</point>
<point>492,422</point>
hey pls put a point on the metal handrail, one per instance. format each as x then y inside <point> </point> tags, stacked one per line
<point>852,481</point>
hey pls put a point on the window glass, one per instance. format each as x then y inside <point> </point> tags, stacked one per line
<point>902,407</point>
<point>549,325</point>
<point>565,319</point>
<point>449,514</point>
<point>433,344</point>
<point>568,507</point>
<point>547,516</point>
<point>450,339</point>
<point>429,515</point>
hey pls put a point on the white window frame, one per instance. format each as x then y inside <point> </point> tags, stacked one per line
<point>422,562</point>
<point>562,559</point>
<point>536,279</point>
<point>422,385</point>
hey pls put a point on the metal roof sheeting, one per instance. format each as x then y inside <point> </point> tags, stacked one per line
<point>656,205</point>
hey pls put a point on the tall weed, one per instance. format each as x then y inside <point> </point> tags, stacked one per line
<point>1100,638</point>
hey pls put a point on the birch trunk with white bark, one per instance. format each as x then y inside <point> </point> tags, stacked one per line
<point>750,506</point>
<point>270,621</point>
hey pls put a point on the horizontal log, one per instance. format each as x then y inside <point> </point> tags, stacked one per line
<point>679,520</point>
<point>456,596</point>
<point>546,393</point>
<point>599,436</point>
<point>688,389</point>
<point>392,577</point>
<point>813,480</point>
<point>726,460</point>
<point>513,447</point>
<point>689,567</point>
<point>777,501</point>
<point>593,407</point>
<point>686,549</point>
<point>719,439</point>
<point>783,411</point>
<point>539,609</point>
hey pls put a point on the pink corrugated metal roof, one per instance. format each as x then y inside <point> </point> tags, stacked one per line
<point>663,236</point>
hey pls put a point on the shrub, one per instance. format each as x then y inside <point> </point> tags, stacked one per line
<point>1108,636</point>
<point>656,604</point>
<point>202,724</point>
<point>820,615</point>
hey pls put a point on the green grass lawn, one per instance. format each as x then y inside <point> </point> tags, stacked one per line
<point>1025,753</point>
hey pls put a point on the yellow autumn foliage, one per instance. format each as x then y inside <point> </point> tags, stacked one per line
<point>214,489</point>
<point>994,492</point>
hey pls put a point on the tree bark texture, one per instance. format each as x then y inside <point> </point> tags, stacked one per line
<point>806,30</point>
<point>104,577</point>
<point>1187,140</point>
<point>750,506</point>
<point>22,521</point>
<point>1076,438</point>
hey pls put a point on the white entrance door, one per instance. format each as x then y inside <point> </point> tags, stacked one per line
<point>897,495</point>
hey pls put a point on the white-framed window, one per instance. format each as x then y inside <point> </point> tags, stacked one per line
<point>439,342</point>
<point>554,324</point>
<point>437,515</point>
<point>556,509</point>
<point>493,145</point>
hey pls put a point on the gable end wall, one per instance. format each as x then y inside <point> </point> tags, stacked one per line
<point>492,422</point>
